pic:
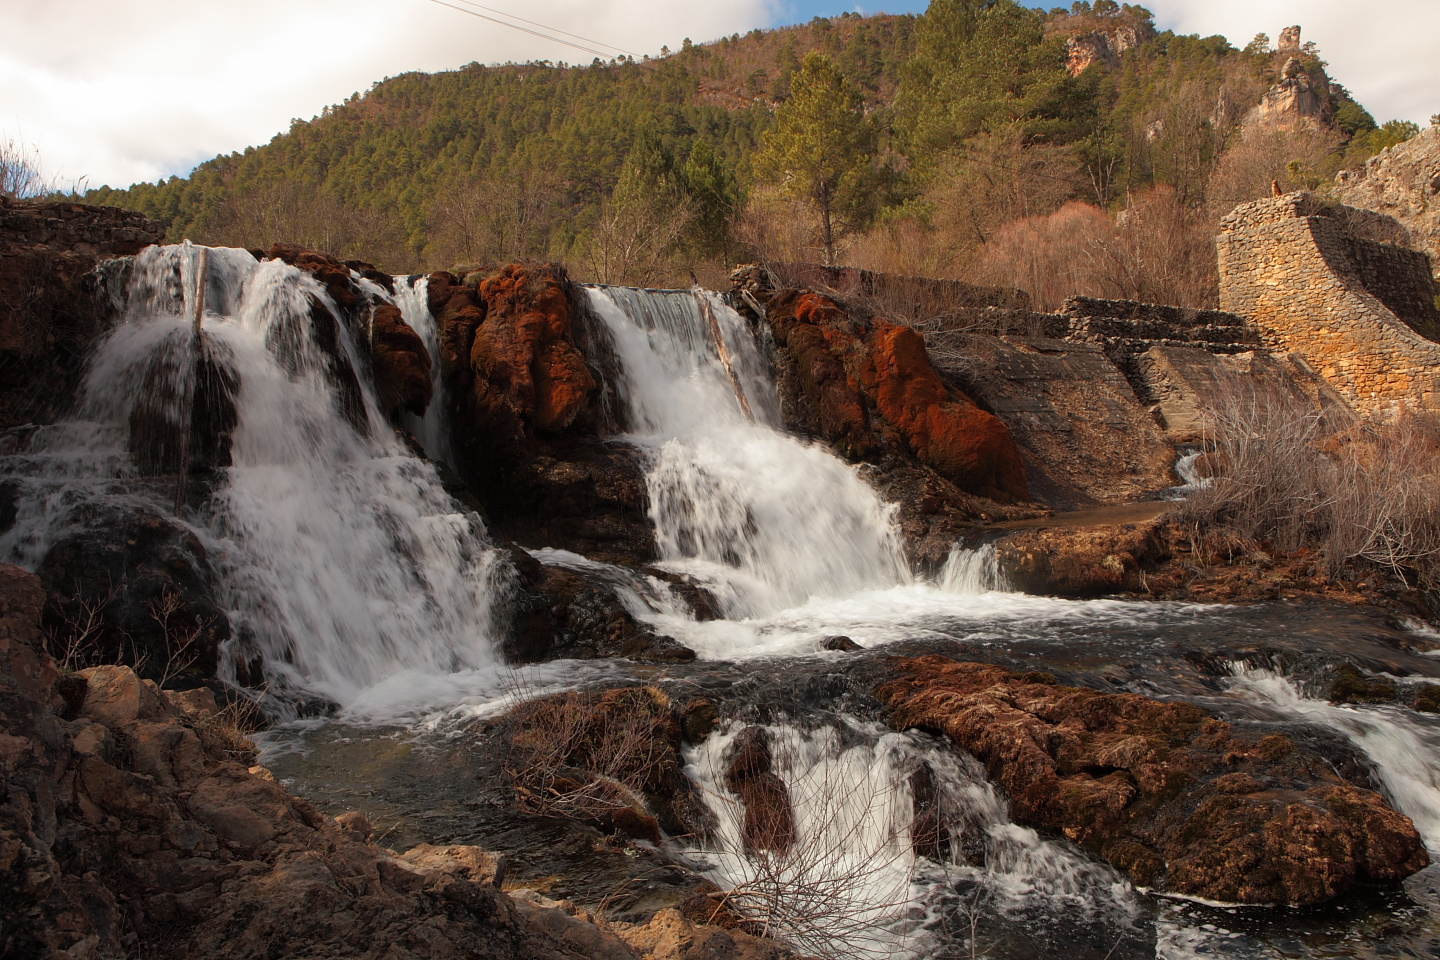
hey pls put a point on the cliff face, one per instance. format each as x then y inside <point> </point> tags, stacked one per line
<point>1402,181</point>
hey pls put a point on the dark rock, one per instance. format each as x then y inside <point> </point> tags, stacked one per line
<point>128,584</point>
<point>698,719</point>
<point>1352,686</point>
<point>1427,698</point>
<point>1170,795</point>
<point>50,303</point>
<point>769,822</point>
<point>844,644</point>
<point>570,614</point>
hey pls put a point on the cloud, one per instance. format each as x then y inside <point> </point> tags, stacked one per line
<point>122,92</point>
<point>1382,50</point>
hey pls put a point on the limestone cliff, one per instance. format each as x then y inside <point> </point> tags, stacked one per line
<point>1402,181</point>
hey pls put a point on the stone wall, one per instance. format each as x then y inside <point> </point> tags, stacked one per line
<point>1353,308</point>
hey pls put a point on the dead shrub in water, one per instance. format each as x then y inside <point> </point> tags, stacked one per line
<point>1364,495</point>
<point>596,757</point>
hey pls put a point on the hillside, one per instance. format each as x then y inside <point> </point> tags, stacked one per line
<point>984,115</point>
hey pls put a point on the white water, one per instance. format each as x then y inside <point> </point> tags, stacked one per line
<point>851,885</point>
<point>342,562</point>
<point>1187,466</point>
<point>765,521</point>
<point>1404,747</point>
<point>433,429</point>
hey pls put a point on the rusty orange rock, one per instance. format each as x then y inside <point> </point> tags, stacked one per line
<point>528,373</point>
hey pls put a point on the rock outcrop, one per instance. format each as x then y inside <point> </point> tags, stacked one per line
<point>50,302</point>
<point>135,823</point>
<point>867,385</point>
<point>1403,182</point>
<point>1084,562</point>
<point>1173,797</point>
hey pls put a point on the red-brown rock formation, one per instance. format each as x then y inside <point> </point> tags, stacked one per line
<point>1170,795</point>
<point>871,385</point>
<point>769,822</point>
<point>528,374</point>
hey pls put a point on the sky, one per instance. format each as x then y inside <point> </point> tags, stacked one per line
<point>117,92</point>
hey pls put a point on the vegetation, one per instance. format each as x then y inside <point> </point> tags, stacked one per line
<point>1362,497</point>
<point>944,145</point>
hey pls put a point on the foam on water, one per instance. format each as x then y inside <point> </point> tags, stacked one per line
<point>852,885</point>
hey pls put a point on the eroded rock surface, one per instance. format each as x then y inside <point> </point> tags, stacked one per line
<point>1173,797</point>
<point>134,824</point>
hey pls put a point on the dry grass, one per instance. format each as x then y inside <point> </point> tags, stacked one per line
<point>1364,496</point>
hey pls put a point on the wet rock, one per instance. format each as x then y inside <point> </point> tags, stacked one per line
<point>1082,562</point>
<point>1352,686</point>
<point>51,307</point>
<point>1170,795</point>
<point>124,834</point>
<point>842,644</point>
<point>128,584</point>
<point>867,386</point>
<point>698,719</point>
<point>402,364</point>
<point>570,614</point>
<point>928,833</point>
<point>769,821</point>
<point>1427,698</point>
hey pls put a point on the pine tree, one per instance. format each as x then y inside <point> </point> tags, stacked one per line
<point>820,150</point>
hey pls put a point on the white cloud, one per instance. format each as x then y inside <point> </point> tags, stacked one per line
<point>1382,50</point>
<point>121,92</point>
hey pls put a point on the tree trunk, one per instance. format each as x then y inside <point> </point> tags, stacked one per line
<point>827,235</point>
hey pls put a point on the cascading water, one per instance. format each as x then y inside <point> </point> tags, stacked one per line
<point>340,558</point>
<point>868,875</point>
<point>433,429</point>
<point>765,521</point>
<point>1403,746</point>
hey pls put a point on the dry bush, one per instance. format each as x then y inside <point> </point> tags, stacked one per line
<point>1158,250</point>
<point>494,219</point>
<point>595,757</point>
<point>227,734</point>
<point>20,175</point>
<point>1249,169</point>
<point>772,229</point>
<point>1364,495</point>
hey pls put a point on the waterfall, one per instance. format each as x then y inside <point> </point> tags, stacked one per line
<point>852,883</point>
<point>1404,748</point>
<point>765,521</point>
<point>971,572</point>
<point>433,429</point>
<point>340,558</point>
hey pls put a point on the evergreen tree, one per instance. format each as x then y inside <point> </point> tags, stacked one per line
<point>820,150</point>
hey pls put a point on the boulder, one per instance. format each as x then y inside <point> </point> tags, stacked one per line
<point>1082,561</point>
<point>769,821</point>
<point>1173,797</point>
<point>866,385</point>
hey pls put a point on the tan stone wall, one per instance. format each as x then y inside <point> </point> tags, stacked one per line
<point>1296,270</point>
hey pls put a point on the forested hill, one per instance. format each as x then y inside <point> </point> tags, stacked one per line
<point>985,105</point>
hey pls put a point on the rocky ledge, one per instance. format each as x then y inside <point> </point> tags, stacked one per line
<point>137,823</point>
<point>1176,799</point>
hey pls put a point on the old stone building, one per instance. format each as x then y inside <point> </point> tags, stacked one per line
<point>1318,280</point>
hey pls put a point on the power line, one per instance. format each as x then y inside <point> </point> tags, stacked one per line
<point>533,23</point>
<point>533,33</point>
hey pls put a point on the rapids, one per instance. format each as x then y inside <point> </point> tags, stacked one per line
<point>352,577</point>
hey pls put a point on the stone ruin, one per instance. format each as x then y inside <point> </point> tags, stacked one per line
<point>1328,283</point>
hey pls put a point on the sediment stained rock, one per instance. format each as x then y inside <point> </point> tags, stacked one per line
<point>1173,797</point>
<point>769,821</point>
<point>867,385</point>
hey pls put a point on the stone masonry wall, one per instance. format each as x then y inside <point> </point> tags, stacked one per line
<point>1354,309</point>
